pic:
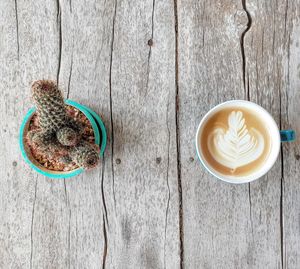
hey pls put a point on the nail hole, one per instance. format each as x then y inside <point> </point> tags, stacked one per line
<point>191,159</point>
<point>14,163</point>
<point>118,161</point>
<point>297,157</point>
<point>150,42</point>
<point>158,160</point>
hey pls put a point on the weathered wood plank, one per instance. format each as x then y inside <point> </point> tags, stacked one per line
<point>39,47</point>
<point>32,234</point>
<point>143,230</point>
<point>86,31</point>
<point>272,63</point>
<point>231,226</point>
<point>216,215</point>
<point>16,195</point>
<point>264,46</point>
<point>290,96</point>
<point>70,223</point>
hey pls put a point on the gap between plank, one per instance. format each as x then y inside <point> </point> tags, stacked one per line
<point>60,39</point>
<point>102,192</point>
<point>281,185</point>
<point>110,102</point>
<point>70,76</point>
<point>69,224</point>
<point>31,229</point>
<point>249,23</point>
<point>246,90</point>
<point>181,231</point>
<point>105,244</point>
<point>168,186</point>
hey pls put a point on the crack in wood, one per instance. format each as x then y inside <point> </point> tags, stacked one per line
<point>105,217</point>
<point>248,87</point>
<point>70,75</point>
<point>31,228</point>
<point>110,101</point>
<point>180,210</point>
<point>274,33</point>
<point>262,43</point>
<point>250,208</point>
<point>281,181</point>
<point>150,46</point>
<point>257,75</point>
<point>285,18</point>
<point>69,224</point>
<point>59,26</point>
<point>281,210</point>
<point>17,29</point>
<point>169,193</point>
<point>288,79</point>
<point>249,23</point>
<point>102,192</point>
<point>68,95</point>
<point>105,245</point>
<point>273,41</point>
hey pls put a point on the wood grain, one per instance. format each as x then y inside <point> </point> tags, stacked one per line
<point>227,226</point>
<point>84,76</point>
<point>290,111</point>
<point>264,76</point>
<point>151,69</point>
<point>144,230</point>
<point>38,26</point>
<point>216,215</point>
<point>31,206</point>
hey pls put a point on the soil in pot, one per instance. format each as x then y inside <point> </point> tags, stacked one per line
<point>54,162</point>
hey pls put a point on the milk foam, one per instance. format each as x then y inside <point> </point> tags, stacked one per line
<point>234,145</point>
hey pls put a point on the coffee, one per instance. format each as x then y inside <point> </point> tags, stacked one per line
<point>235,141</point>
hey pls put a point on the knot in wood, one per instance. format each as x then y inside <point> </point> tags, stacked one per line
<point>241,20</point>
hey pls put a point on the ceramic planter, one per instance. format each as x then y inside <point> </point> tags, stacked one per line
<point>99,133</point>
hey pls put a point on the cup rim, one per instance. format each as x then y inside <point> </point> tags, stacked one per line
<point>272,157</point>
<point>61,174</point>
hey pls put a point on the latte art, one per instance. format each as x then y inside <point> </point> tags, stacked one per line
<point>234,140</point>
<point>235,145</point>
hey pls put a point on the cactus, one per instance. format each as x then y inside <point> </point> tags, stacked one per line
<point>67,136</point>
<point>40,138</point>
<point>59,133</point>
<point>85,155</point>
<point>66,159</point>
<point>50,105</point>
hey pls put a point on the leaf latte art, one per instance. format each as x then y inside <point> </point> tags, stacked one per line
<point>234,145</point>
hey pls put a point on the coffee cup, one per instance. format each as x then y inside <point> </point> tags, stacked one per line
<point>238,141</point>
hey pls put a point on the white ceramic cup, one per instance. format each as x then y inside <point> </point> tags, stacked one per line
<point>274,135</point>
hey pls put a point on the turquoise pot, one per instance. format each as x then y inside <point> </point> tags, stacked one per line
<point>99,133</point>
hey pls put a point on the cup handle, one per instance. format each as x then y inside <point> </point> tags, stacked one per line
<point>287,135</point>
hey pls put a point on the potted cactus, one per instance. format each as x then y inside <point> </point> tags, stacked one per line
<point>60,138</point>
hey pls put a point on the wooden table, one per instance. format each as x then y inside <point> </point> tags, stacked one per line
<point>151,69</point>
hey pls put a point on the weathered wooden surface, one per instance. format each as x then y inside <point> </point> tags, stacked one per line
<point>151,69</point>
<point>216,215</point>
